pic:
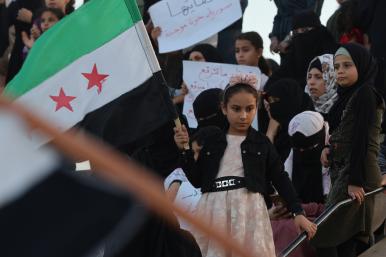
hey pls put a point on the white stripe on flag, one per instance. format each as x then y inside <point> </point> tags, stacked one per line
<point>21,164</point>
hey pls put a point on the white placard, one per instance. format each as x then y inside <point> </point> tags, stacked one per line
<point>186,22</point>
<point>200,76</point>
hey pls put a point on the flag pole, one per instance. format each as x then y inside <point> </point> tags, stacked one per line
<point>118,169</point>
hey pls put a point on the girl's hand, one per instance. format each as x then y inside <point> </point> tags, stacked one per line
<point>24,15</point>
<point>324,157</point>
<point>356,192</point>
<point>303,224</point>
<point>28,41</point>
<point>35,32</point>
<point>181,137</point>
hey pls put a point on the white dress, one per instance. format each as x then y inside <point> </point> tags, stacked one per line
<point>241,213</point>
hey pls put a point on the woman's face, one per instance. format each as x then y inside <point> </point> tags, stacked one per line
<point>346,71</point>
<point>316,83</point>
<point>197,57</point>
<point>246,53</point>
<point>48,19</point>
<point>59,4</point>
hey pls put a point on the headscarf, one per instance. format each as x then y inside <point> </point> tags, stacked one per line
<point>324,103</point>
<point>207,108</point>
<point>286,99</point>
<point>209,52</point>
<point>367,71</point>
<point>308,131</point>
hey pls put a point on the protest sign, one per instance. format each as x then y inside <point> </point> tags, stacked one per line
<point>186,22</point>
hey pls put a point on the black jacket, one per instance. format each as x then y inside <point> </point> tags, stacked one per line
<point>261,163</point>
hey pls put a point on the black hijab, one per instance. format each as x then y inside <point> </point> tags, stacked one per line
<point>209,52</point>
<point>365,103</point>
<point>286,99</point>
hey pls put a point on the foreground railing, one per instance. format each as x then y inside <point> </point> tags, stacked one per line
<point>319,220</point>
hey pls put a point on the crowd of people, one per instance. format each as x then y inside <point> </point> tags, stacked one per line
<point>267,159</point>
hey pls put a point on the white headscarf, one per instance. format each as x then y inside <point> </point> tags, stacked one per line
<point>308,123</point>
<point>324,103</point>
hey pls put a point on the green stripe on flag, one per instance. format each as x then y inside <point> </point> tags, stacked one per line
<point>78,34</point>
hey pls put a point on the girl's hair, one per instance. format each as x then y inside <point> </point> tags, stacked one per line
<point>70,7</point>
<point>230,91</point>
<point>257,42</point>
<point>56,11</point>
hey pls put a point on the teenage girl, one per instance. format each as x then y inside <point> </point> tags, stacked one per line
<point>355,122</point>
<point>233,170</point>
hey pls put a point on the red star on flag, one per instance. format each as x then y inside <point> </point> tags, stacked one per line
<point>95,79</point>
<point>62,100</point>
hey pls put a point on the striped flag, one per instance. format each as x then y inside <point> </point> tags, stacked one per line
<point>96,68</point>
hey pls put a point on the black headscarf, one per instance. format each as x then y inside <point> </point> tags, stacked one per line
<point>365,102</point>
<point>286,99</point>
<point>367,71</point>
<point>209,52</point>
<point>207,109</point>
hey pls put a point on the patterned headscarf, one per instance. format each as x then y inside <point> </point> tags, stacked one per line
<point>324,103</point>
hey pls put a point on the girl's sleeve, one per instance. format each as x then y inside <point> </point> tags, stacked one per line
<point>281,181</point>
<point>190,167</point>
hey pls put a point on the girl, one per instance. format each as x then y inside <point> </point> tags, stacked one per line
<point>233,170</point>
<point>249,51</point>
<point>321,85</point>
<point>352,156</point>
<point>48,18</point>
<point>67,6</point>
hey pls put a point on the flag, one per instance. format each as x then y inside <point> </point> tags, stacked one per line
<point>96,68</point>
<point>46,211</point>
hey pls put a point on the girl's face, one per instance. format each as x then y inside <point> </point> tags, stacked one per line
<point>60,4</point>
<point>240,111</point>
<point>246,53</point>
<point>316,83</point>
<point>346,71</point>
<point>48,19</point>
<point>196,57</point>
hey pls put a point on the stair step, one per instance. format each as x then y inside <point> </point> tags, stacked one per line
<point>377,250</point>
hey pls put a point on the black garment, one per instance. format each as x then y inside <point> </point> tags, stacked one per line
<point>207,109</point>
<point>305,19</point>
<point>307,174</point>
<point>209,52</point>
<point>372,21</point>
<point>303,49</point>
<point>3,29</point>
<point>16,60</point>
<point>286,99</point>
<point>364,104</point>
<point>158,239</point>
<point>282,22</point>
<point>346,249</point>
<point>261,164</point>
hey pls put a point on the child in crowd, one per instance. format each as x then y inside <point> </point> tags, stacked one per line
<point>233,169</point>
<point>352,155</point>
<point>48,18</point>
<point>321,83</point>
<point>249,51</point>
